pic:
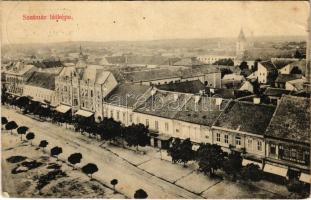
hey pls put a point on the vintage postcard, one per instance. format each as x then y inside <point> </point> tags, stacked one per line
<point>158,100</point>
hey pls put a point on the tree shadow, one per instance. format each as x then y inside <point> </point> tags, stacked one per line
<point>16,159</point>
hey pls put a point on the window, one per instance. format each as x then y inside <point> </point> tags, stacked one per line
<point>111,113</point>
<point>226,139</point>
<point>147,122</point>
<point>91,93</point>
<point>118,115</point>
<point>131,118</point>
<point>156,125</point>
<point>300,155</point>
<point>249,143</point>
<point>238,140</point>
<point>124,116</point>
<point>293,153</point>
<point>166,126</point>
<point>272,149</point>
<point>75,102</point>
<point>177,130</point>
<point>218,137</point>
<point>259,145</point>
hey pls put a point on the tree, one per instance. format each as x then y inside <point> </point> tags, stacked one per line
<point>233,164</point>
<point>74,159</point>
<point>186,152</point>
<point>109,129</point>
<point>210,158</point>
<point>55,151</point>
<point>298,55</point>
<point>137,135</point>
<point>251,172</point>
<point>225,71</point>
<point>4,95</point>
<point>4,121</point>
<point>30,136</point>
<point>89,169</point>
<point>227,62</point>
<point>114,182</point>
<point>11,126</point>
<point>22,131</point>
<point>43,144</point>
<point>243,65</point>
<point>174,150</point>
<point>296,70</point>
<point>140,194</point>
<point>23,102</point>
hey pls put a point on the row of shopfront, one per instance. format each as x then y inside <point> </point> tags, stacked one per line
<point>275,167</point>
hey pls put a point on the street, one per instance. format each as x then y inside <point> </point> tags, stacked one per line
<point>160,179</point>
<point>110,166</point>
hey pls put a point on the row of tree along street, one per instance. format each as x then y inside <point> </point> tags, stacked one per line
<point>73,159</point>
<point>210,157</point>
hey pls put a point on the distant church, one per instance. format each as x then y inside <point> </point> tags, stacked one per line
<point>241,48</point>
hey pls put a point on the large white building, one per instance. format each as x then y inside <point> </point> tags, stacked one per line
<point>211,59</point>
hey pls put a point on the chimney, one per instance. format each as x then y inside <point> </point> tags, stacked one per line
<point>256,100</point>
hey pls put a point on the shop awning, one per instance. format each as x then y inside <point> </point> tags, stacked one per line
<point>275,170</point>
<point>246,162</point>
<point>62,108</point>
<point>305,178</point>
<point>84,113</point>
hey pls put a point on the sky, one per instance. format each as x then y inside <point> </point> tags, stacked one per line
<point>115,21</point>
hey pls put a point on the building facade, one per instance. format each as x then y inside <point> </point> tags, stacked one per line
<point>17,76</point>
<point>41,87</point>
<point>84,87</point>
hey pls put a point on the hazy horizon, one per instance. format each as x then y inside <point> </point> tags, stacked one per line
<point>151,21</point>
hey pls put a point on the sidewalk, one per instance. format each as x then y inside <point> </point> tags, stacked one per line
<point>186,178</point>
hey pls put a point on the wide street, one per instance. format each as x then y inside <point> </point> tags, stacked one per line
<point>160,179</point>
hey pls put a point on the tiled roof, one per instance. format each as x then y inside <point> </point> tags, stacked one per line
<point>291,120</point>
<point>278,92</point>
<point>279,64</point>
<point>188,62</point>
<point>96,75</point>
<point>150,75</point>
<point>283,78</point>
<point>204,112</point>
<point>268,65</point>
<point>158,74</point>
<point>245,116</point>
<point>228,93</point>
<point>163,104</point>
<point>20,68</point>
<point>43,80</point>
<point>48,64</point>
<point>126,94</point>
<point>193,87</point>
<point>67,71</point>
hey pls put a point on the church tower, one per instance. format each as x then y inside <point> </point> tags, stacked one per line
<point>241,46</point>
<point>81,60</point>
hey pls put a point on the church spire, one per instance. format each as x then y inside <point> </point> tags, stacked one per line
<point>241,35</point>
